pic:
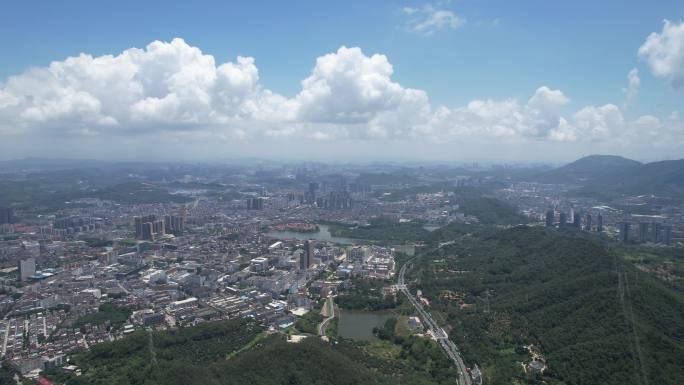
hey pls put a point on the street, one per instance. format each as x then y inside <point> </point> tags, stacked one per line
<point>439,333</point>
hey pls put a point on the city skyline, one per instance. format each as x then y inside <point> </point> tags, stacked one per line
<point>339,193</point>
<point>417,85</point>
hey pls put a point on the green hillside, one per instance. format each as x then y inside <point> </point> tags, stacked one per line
<point>593,316</point>
<point>239,352</point>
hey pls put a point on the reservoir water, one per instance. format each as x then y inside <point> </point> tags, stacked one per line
<point>431,228</point>
<point>323,234</point>
<point>358,325</point>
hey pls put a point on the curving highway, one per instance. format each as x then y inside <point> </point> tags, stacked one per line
<point>439,333</point>
<point>331,311</point>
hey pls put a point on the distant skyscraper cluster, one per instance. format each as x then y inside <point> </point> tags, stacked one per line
<point>67,225</point>
<point>174,224</point>
<point>149,228</point>
<point>255,203</point>
<point>573,221</point>
<point>647,232</point>
<point>335,200</point>
<point>333,195</point>
<point>310,194</point>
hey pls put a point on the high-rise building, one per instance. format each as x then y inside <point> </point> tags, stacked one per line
<point>599,222</point>
<point>587,226</point>
<point>577,221</point>
<point>307,256</point>
<point>303,263</point>
<point>174,224</point>
<point>27,268</point>
<point>309,251</point>
<point>562,220</point>
<point>549,217</point>
<point>147,231</point>
<point>139,228</point>
<point>310,194</point>
<point>624,231</point>
<point>6,215</point>
<point>158,228</point>
<point>643,232</point>
<point>255,203</point>
<point>335,200</point>
<point>656,232</point>
<point>571,218</point>
<point>667,235</point>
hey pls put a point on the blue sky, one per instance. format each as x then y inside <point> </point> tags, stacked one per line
<point>498,50</point>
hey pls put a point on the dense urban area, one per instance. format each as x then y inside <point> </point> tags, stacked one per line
<point>297,273</point>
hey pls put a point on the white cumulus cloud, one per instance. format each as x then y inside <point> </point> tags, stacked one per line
<point>171,84</point>
<point>352,89</point>
<point>664,53</point>
<point>598,123</point>
<point>505,119</point>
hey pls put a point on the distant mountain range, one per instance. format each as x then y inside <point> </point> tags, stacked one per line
<point>615,175</point>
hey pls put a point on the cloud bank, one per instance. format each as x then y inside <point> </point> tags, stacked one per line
<point>175,90</point>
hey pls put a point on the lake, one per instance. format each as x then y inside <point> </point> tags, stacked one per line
<point>358,324</point>
<point>323,234</point>
<point>431,228</point>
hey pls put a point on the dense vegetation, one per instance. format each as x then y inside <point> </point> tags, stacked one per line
<point>98,242</point>
<point>107,314</point>
<point>309,322</point>
<point>593,316</point>
<point>383,229</point>
<point>490,211</point>
<point>136,193</point>
<point>49,193</point>
<point>6,375</point>
<point>667,263</point>
<point>365,295</point>
<point>238,352</point>
<point>422,355</point>
<point>308,362</point>
<point>170,357</point>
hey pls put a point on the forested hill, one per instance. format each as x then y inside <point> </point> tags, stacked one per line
<point>241,352</point>
<point>593,316</point>
<point>590,168</point>
<point>217,353</point>
<point>604,175</point>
